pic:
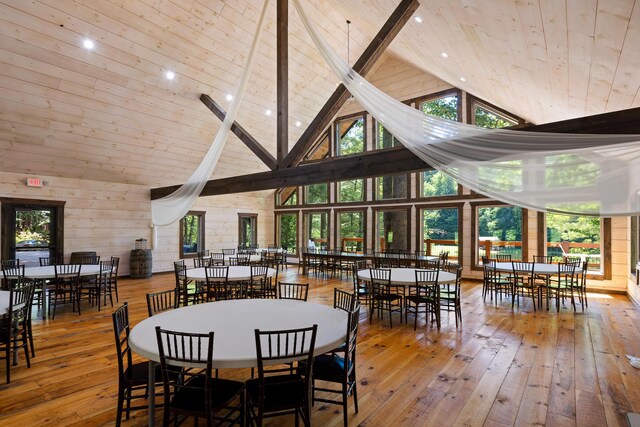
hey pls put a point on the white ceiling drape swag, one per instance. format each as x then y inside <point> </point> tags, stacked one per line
<point>568,173</point>
<point>171,208</point>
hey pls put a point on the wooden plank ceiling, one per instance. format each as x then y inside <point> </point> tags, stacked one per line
<point>110,114</point>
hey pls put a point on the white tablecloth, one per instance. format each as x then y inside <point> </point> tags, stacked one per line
<point>407,276</point>
<point>234,323</point>
<point>236,273</point>
<point>539,268</point>
<point>4,302</point>
<point>48,272</point>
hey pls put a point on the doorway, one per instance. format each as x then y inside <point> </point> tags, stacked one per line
<point>31,229</point>
<point>248,230</point>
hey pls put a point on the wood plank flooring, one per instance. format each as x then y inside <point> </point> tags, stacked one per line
<point>501,368</point>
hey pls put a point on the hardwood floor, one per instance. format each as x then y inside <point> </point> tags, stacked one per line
<point>501,368</point>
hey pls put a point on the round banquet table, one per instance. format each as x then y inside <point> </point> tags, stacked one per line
<point>236,273</point>
<point>539,268</point>
<point>407,276</point>
<point>48,272</point>
<point>234,323</point>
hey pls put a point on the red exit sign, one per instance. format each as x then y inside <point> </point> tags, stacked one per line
<point>34,182</point>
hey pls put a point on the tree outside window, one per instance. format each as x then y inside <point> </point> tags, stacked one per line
<point>288,231</point>
<point>317,193</point>
<point>392,187</point>
<point>575,237</point>
<point>445,107</point>
<point>436,183</point>
<point>350,136</point>
<point>384,138</point>
<point>351,191</point>
<point>351,230</point>
<point>440,231</point>
<point>500,231</point>
<point>316,226</point>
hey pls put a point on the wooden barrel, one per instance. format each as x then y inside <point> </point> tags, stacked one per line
<point>141,263</point>
<point>77,256</point>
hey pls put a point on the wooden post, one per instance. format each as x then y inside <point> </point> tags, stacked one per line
<point>282,80</point>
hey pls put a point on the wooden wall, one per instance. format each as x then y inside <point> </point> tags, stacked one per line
<point>108,217</point>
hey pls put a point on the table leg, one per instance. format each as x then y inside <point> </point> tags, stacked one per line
<point>152,393</point>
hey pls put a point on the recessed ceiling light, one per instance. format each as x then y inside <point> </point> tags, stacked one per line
<point>462,79</point>
<point>88,44</point>
<point>444,54</point>
<point>418,19</point>
<point>267,112</point>
<point>298,123</point>
<point>170,75</point>
<point>229,97</point>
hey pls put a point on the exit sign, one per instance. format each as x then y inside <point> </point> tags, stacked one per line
<point>34,182</point>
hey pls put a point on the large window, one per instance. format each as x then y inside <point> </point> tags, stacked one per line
<point>316,230</point>
<point>350,136</point>
<point>248,230</point>
<point>191,234</point>
<point>499,231</point>
<point>350,226</point>
<point>350,191</point>
<point>316,194</point>
<point>576,237</point>
<point>445,107</point>
<point>384,138</point>
<point>392,187</point>
<point>439,231</point>
<point>392,230</point>
<point>287,224</point>
<point>435,183</point>
<point>487,116</point>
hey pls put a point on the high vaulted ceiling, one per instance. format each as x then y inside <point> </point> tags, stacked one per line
<point>109,114</point>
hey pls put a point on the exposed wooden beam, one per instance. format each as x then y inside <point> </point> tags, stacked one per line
<point>241,133</point>
<point>282,79</point>
<point>395,160</point>
<point>363,65</point>
<point>372,163</point>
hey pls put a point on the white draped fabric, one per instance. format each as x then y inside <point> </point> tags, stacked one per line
<point>169,209</point>
<point>568,173</point>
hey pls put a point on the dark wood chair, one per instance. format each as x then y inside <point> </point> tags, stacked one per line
<point>344,300</point>
<point>423,297</point>
<point>11,275</point>
<point>339,367</point>
<point>296,291</point>
<point>563,285</point>
<point>259,285</point>
<point>280,389</point>
<point>49,260</point>
<point>385,296</point>
<point>503,258</point>
<point>217,258</point>
<point>133,378</point>
<point>98,289</point>
<point>157,302</point>
<point>193,392</point>
<point>523,283</point>
<point>187,291</point>
<point>66,287</point>
<point>450,298</point>
<point>360,288</point>
<point>543,259</point>
<point>201,262</point>
<point>115,265</point>
<point>217,280</point>
<point>14,324</point>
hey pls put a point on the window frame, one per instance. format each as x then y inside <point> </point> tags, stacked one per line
<point>472,101</point>
<point>336,187</point>
<point>459,206</point>
<point>419,189</point>
<point>280,190</point>
<point>442,94</point>
<point>376,210</point>
<point>305,194</point>
<point>254,233</point>
<point>335,152</point>
<point>305,220</point>
<point>401,199</point>
<point>336,231</point>
<point>278,234</point>
<point>201,234</point>
<point>316,146</point>
<point>476,263</point>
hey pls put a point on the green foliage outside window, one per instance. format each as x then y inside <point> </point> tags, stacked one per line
<point>289,231</point>
<point>500,224</point>
<point>317,226</point>
<point>441,224</point>
<point>384,138</point>
<point>391,187</point>
<point>317,193</point>
<point>350,136</point>
<point>445,108</point>
<point>351,190</point>
<point>436,183</point>
<point>488,119</point>
<point>351,224</point>
<point>191,234</point>
<point>33,227</point>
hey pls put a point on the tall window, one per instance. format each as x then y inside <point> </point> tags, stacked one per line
<point>192,234</point>
<point>575,236</point>
<point>392,230</point>
<point>499,231</point>
<point>439,231</point>
<point>635,243</point>
<point>350,230</point>
<point>287,224</point>
<point>392,187</point>
<point>350,191</point>
<point>350,137</point>
<point>435,183</point>
<point>316,193</point>
<point>316,229</point>
<point>248,230</point>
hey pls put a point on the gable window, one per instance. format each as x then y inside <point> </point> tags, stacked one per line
<point>487,116</point>
<point>320,150</point>
<point>444,106</point>
<point>350,136</point>
<point>287,196</point>
<point>191,234</point>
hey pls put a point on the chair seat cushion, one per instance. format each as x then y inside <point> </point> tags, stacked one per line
<point>329,367</point>
<point>281,391</point>
<point>192,400</point>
